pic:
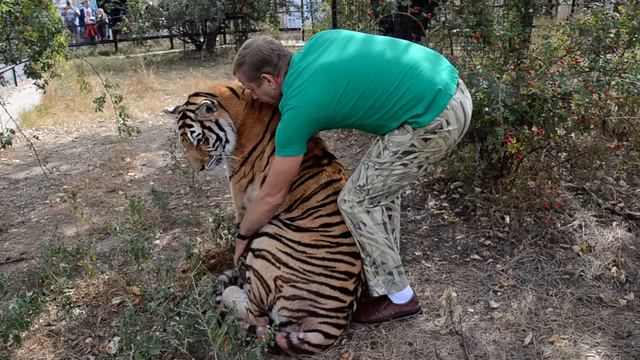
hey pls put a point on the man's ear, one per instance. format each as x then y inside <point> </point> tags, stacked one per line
<point>269,79</point>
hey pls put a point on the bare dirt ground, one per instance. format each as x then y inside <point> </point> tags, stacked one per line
<point>495,282</point>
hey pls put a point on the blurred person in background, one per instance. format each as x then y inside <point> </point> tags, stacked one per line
<point>70,15</point>
<point>102,22</point>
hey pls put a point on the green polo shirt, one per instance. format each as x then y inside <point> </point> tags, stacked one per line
<point>346,79</point>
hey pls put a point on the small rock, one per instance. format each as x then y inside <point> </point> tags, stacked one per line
<point>488,243</point>
<point>558,340</point>
<point>112,346</point>
<point>117,300</point>
<point>475,257</point>
<point>456,185</point>
<point>493,304</point>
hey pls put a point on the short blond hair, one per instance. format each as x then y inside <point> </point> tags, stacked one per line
<point>261,55</point>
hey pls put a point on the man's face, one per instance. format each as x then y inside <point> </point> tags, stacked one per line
<point>266,90</point>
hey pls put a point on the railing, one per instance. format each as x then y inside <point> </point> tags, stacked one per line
<point>114,39</point>
<point>15,75</point>
<point>93,35</point>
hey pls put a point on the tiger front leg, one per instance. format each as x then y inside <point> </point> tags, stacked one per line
<point>236,299</point>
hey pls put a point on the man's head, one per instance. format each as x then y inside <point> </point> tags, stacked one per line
<point>261,65</point>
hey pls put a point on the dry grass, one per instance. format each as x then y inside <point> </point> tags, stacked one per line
<point>148,85</point>
<point>570,287</point>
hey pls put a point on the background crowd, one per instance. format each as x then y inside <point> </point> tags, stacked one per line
<point>86,22</point>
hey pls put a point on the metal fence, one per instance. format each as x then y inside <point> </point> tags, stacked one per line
<point>370,16</point>
<point>410,21</point>
<point>12,75</point>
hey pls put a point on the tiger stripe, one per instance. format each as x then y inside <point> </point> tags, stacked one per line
<point>303,267</point>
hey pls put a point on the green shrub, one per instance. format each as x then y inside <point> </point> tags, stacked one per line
<point>541,86</point>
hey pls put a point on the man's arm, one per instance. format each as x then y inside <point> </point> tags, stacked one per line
<point>271,196</point>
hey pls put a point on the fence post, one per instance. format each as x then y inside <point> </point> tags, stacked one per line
<point>171,38</point>
<point>115,41</point>
<point>302,17</point>
<point>334,13</point>
<point>15,77</point>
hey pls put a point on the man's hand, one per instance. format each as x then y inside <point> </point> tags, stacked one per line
<point>241,247</point>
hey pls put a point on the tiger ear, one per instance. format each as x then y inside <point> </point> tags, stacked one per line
<point>173,110</point>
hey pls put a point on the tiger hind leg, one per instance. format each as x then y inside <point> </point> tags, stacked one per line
<point>236,299</point>
<point>299,342</point>
<point>288,340</point>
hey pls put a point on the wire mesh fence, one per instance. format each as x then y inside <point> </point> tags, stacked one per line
<point>11,76</point>
<point>410,20</point>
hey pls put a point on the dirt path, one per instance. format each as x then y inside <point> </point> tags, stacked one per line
<point>16,100</point>
<point>488,291</point>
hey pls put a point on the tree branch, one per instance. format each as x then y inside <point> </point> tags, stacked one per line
<point>29,142</point>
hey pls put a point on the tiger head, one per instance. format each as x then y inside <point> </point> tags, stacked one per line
<point>206,125</point>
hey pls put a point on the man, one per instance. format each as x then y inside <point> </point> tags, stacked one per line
<point>408,94</point>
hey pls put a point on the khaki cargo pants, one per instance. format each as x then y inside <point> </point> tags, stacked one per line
<point>370,202</point>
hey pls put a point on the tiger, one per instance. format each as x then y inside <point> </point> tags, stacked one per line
<point>303,268</point>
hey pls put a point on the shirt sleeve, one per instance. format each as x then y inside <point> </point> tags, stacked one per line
<point>293,132</point>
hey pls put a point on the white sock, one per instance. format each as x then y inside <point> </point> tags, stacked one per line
<point>401,297</point>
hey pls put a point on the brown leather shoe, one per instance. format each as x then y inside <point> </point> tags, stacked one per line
<point>381,309</point>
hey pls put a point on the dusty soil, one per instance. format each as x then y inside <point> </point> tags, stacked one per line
<point>494,283</point>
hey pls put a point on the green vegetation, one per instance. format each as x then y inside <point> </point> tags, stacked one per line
<point>545,89</point>
<point>180,317</point>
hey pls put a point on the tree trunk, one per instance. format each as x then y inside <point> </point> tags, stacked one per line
<point>210,38</point>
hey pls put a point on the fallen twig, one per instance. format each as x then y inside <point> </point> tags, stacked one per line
<point>452,317</point>
<point>435,350</point>
<point>458,329</point>
<point>11,261</point>
<point>626,213</point>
